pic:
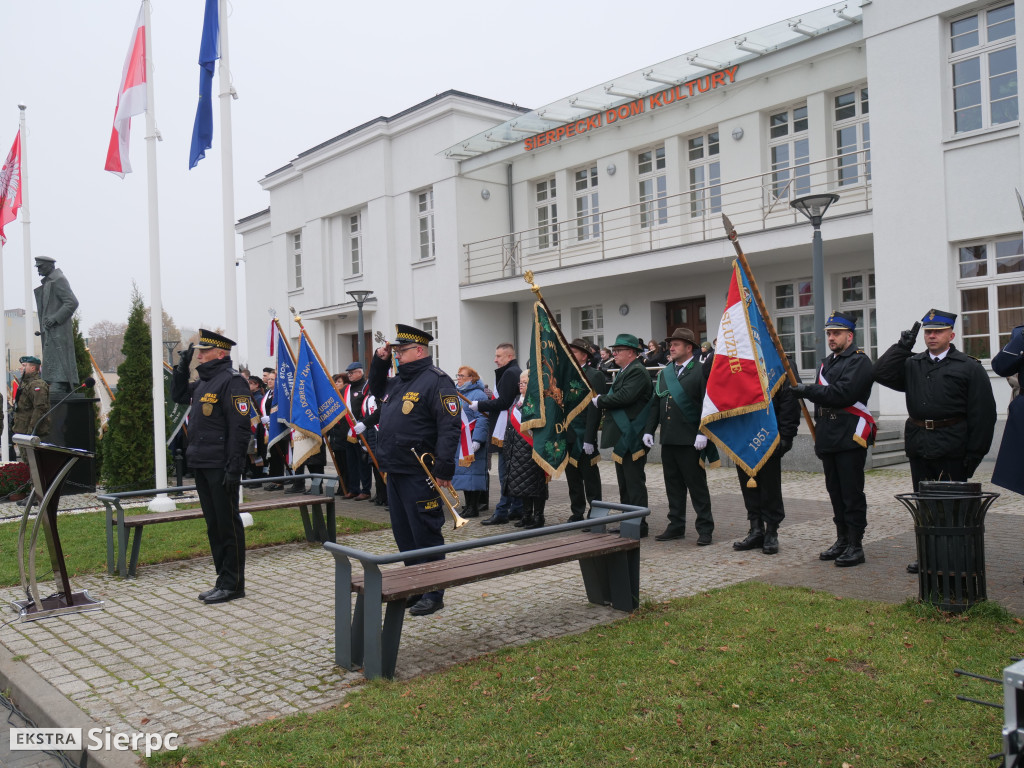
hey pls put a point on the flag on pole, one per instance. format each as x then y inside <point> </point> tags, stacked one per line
<point>738,414</point>
<point>283,384</point>
<point>104,393</point>
<point>177,413</point>
<point>10,187</point>
<point>131,99</point>
<point>556,393</point>
<point>209,52</point>
<point>316,404</point>
<point>466,455</point>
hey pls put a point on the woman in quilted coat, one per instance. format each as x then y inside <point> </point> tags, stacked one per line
<point>524,479</point>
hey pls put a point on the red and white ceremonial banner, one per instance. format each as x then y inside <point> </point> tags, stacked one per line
<point>131,100</point>
<point>466,454</point>
<point>10,187</point>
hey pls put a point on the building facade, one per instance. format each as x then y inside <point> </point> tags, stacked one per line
<point>613,196</point>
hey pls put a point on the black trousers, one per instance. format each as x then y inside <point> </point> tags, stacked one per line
<point>844,481</point>
<point>684,474</point>
<point>945,468</point>
<point>359,472</point>
<point>584,485</point>
<point>632,480</point>
<point>417,517</point>
<point>765,501</point>
<point>223,528</point>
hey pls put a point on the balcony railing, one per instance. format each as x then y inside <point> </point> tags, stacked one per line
<point>753,204</point>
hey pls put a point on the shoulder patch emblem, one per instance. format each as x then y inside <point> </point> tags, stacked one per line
<point>451,403</point>
<point>241,403</point>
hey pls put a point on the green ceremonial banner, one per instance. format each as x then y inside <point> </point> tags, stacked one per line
<point>556,394</point>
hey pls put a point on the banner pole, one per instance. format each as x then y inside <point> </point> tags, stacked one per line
<point>528,276</point>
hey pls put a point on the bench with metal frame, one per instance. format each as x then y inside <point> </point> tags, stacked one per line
<point>127,529</point>
<point>610,564</point>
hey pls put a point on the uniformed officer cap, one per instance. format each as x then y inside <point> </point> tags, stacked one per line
<point>47,259</point>
<point>841,321</point>
<point>211,340</point>
<point>407,334</point>
<point>938,318</point>
<point>30,359</point>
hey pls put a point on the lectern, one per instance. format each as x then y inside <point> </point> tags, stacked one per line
<point>49,466</point>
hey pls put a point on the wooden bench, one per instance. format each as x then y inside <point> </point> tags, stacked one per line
<point>609,562</point>
<point>127,529</point>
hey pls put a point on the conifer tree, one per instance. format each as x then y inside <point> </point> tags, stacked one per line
<point>83,364</point>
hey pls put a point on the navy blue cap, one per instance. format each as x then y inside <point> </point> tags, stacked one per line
<point>841,321</point>
<point>357,366</point>
<point>938,318</point>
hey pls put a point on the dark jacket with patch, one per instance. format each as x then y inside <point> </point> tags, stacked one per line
<point>219,423</point>
<point>849,377</point>
<point>419,408</point>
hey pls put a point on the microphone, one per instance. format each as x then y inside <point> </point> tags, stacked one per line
<point>89,382</point>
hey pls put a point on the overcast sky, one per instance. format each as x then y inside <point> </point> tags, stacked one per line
<point>305,71</point>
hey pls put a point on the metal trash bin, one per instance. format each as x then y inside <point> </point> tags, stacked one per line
<point>949,525</point>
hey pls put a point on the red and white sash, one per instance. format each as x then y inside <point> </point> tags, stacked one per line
<point>516,416</point>
<point>865,421</point>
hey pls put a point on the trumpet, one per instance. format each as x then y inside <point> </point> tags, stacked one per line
<point>449,497</point>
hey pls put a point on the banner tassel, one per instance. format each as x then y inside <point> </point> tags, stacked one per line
<point>751,483</point>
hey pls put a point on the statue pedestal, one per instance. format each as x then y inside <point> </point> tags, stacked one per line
<point>73,425</point>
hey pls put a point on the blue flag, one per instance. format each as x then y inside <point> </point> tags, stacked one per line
<point>283,385</point>
<point>773,367</point>
<point>316,404</point>
<point>202,131</point>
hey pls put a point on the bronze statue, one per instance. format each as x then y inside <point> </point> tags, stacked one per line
<point>56,304</point>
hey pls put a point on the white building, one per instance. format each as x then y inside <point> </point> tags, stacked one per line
<point>613,196</point>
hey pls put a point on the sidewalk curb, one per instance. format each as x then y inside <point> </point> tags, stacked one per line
<point>49,708</point>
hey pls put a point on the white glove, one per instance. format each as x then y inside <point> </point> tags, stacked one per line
<point>649,441</point>
<point>472,404</point>
<point>594,401</point>
<point>265,420</point>
<point>700,443</point>
<point>359,428</point>
<point>476,446</point>
<point>588,448</point>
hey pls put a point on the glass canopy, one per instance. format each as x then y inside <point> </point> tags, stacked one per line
<point>652,80</point>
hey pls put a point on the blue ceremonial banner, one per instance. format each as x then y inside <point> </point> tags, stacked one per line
<point>202,131</point>
<point>280,412</point>
<point>773,367</point>
<point>316,404</point>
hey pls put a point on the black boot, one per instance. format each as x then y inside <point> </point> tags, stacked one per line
<point>755,537</point>
<point>526,521</point>
<point>854,554</point>
<point>537,520</point>
<point>842,542</point>
<point>771,539</point>
<point>471,507</point>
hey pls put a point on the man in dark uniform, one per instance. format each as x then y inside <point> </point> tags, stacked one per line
<point>359,475</point>
<point>844,428</point>
<point>627,404</point>
<point>951,411</point>
<point>676,407</point>
<point>267,411</point>
<point>220,429</point>
<point>419,409</point>
<point>581,473</point>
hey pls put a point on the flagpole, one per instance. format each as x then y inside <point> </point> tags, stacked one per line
<point>528,276</point>
<point>227,178</point>
<point>730,232</point>
<point>26,234</point>
<point>162,503</point>
<point>5,454</point>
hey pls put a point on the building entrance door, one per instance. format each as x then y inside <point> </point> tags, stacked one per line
<point>355,350</point>
<point>687,313</point>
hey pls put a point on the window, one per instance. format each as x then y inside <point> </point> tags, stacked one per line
<point>853,137</point>
<point>589,322</point>
<point>790,153</point>
<point>794,321</point>
<point>547,214</point>
<point>588,220</point>
<point>295,262</point>
<point>983,57</point>
<point>705,175</point>
<point>991,286</point>
<point>425,212</point>
<point>653,183</point>
<point>355,244</point>
<point>857,298</point>
<point>430,326</point>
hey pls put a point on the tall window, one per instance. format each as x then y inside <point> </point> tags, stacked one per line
<point>295,261</point>
<point>547,214</point>
<point>653,183</point>
<point>991,285</point>
<point>853,137</point>
<point>983,56</point>
<point>857,298</point>
<point>705,175</point>
<point>794,321</point>
<point>588,220</point>
<point>425,212</point>
<point>790,151</point>
<point>355,244</point>
<point>589,322</point>
<point>430,326</point>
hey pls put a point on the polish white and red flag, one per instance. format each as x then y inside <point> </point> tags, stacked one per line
<point>131,100</point>
<point>10,187</point>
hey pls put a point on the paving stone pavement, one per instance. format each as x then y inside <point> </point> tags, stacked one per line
<point>156,659</point>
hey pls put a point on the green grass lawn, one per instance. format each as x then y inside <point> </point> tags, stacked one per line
<point>84,540</point>
<point>751,675</point>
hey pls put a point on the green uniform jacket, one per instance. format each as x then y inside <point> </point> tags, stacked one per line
<point>33,401</point>
<point>584,427</point>
<point>631,391</point>
<point>676,429</point>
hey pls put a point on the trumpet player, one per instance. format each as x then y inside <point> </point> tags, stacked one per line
<point>419,409</point>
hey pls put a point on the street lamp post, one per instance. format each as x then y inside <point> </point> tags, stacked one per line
<point>360,297</point>
<point>814,207</point>
<point>170,344</point>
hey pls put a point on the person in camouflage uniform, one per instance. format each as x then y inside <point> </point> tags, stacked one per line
<point>32,401</point>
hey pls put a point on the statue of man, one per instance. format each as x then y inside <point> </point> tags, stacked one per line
<point>55,304</point>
